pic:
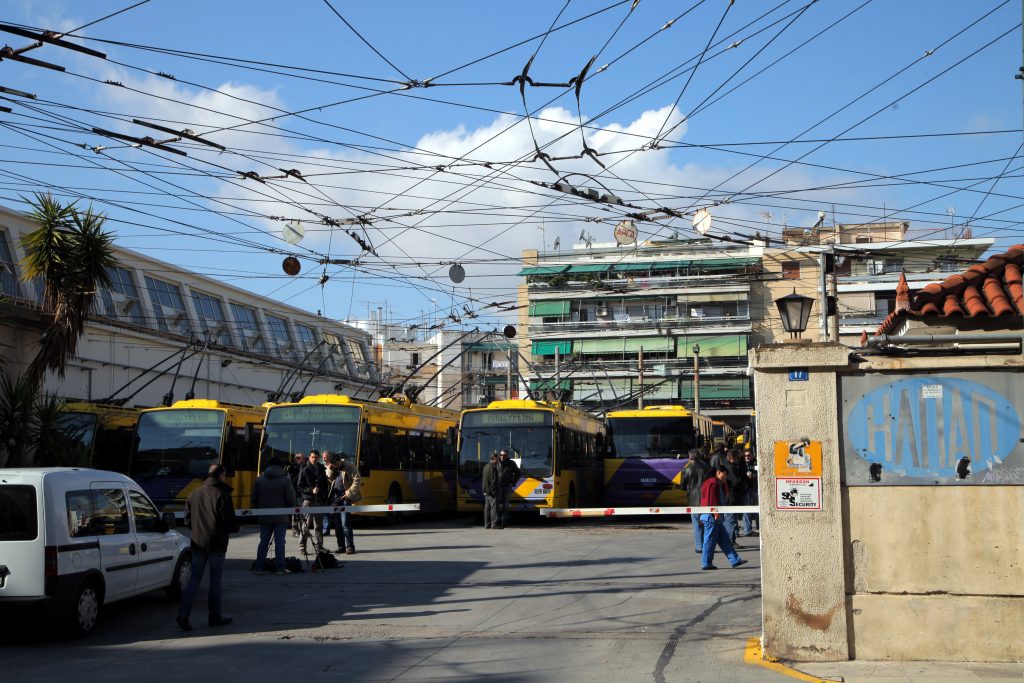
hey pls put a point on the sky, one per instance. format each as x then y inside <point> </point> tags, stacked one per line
<point>409,129</point>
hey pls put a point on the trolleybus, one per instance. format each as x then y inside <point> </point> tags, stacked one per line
<point>648,450</point>
<point>722,435</point>
<point>404,451</point>
<point>558,449</point>
<point>175,446</point>
<point>100,434</point>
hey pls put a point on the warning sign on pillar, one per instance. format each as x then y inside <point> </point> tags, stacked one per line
<point>798,493</point>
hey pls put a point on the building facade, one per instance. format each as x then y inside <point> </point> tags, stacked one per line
<point>157,322</point>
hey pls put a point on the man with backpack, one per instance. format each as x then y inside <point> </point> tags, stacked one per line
<point>695,472</point>
<point>490,486</point>
<point>508,477</point>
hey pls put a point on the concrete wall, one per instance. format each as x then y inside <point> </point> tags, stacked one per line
<point>802,577</point>
<point>893,572</point>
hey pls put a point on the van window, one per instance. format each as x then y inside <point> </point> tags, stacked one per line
<point>147,519</point>
<point>110,512</point>
<point>18,518</point>
<point>79,506</point>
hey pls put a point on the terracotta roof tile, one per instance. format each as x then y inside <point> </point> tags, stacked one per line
<point>993,288</point>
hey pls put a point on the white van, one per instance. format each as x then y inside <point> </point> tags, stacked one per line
<point>76,539</point>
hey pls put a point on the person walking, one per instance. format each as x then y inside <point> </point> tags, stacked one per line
<point>751,520</point>
<point>696,470</point>
<point>210,515</point>
<point>344,490</point>
<point>490,486</point>
<point>272,490</point>
<point>508,477</point>
<point>737,491</point>
<point>712,494</point>
<point>313,489</point>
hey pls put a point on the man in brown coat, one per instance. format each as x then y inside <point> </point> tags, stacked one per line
<point>210,515</point>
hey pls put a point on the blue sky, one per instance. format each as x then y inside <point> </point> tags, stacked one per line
<point>381,151</point>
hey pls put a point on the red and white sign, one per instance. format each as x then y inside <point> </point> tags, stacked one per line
<point>798,493</point>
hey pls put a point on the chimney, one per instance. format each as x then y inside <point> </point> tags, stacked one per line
<point>902,294</point>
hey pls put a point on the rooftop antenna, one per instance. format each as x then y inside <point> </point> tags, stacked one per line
<point>767,216</point>
<point>951,212</point>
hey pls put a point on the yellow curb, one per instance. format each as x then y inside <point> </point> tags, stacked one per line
<point>755,656</point>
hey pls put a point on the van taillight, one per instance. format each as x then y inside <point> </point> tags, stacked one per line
<point>50,565</point>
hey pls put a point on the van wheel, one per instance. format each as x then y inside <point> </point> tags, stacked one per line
<point>85,610</point>
<point>181,576</point>
<point>394,498</point>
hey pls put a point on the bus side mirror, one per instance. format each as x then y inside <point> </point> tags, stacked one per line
<point>169,521</point>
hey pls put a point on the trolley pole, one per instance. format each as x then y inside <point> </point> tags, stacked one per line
<point>508,377</point>
<point>823,288</point>
<point>640,366</point>
<point>835,296</point>
<point>696,378</point>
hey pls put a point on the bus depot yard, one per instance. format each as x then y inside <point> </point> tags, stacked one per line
<point>440,598</point>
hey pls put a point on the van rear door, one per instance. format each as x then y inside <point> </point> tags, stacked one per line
<point>22,559</point>
<point>119,553</point>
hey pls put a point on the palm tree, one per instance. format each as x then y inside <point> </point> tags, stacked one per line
<point>33,429</point>
<point>72,254</point>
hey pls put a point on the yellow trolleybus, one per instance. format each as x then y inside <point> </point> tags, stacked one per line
<point>649,448</point>
<point>101,433</point>
<point>559,451</point>
<point>174,447</point>
<point>404,451</point>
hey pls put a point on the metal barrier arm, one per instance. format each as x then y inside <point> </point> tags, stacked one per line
<point>624,512</point>
<point>321,510</point>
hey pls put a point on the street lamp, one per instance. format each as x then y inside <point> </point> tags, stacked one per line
<point>795,310</point>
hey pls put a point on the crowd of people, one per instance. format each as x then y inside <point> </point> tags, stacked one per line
<point>727,477</point>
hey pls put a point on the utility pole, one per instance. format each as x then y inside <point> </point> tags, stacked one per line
<point>696,378</point>
<point>508,377</point>
<point>835,296</point>
<point>640,397</point>
<point>823,288</point>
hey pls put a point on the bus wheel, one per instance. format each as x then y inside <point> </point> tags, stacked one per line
<point>394,498</point>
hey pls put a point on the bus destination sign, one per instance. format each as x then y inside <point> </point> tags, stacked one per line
<point>488,418</point>
<point>188,418</point>
<point>313,414</point>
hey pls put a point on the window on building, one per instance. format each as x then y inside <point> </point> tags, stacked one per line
<point>8,276</point>
<point>168,306</point>
<point>280,337</point>
<point>247,328</point>
<point>121,301</point>
<point>885,303</point>
<point>862,239</point>
<point>336,347</point>
<point>212,321</point>
<point>790,270</point>
<point>358,352</point>
<point>894,265</point>
<point>414,359</point>
<point>308,340</point>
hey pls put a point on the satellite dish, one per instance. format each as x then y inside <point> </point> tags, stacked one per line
<point>291,266</point>
<point>558,244</point>
<point>702,221</point>
<point>293,232</point>
<point>509,331</point>
<point>456,273</point>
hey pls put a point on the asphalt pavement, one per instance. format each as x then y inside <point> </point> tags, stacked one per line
<point>566,600</point>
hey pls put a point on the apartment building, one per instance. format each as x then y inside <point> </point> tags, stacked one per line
<point>243,346</point>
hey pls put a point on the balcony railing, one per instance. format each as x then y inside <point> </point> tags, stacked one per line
<point>640,284</point>
<point>642,323</point>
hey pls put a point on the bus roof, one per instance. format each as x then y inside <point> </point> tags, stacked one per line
<point>654,412</point>
<point>102,409</point>
<point>385,403</point>
<point>210,404</point>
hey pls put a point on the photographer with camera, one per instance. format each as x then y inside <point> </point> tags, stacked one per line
<point>344,490</point>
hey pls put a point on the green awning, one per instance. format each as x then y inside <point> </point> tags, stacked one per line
<point>542,270</point>
<point>632,266</point>
<point>729,345</point>
<point>722,389</point>
<point>496,379</point>
<point>628,345</point>
<point>725,263</point>
<point>549,308</point>
<point>547,348</point>
<point>549,384</point>
<point>589,267</point>
<point>669,265</point>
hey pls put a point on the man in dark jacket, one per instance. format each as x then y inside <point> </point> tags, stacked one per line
<point>737,480</point>
<point>272,490</point>
<point>211,517</point>
<point>508,477</point>
<point>713,493</point>
<point>695,472</point>
<point>490,487</point>
<point>294,468</point>
<point>313,487</point>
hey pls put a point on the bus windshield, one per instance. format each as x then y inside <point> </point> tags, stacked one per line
<point>301,428</point>
<point>661,437</point>
<point>525,434</point>
<point>177,442</point>
<point>79,428</point>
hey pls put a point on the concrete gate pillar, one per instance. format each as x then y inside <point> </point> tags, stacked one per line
<point>802,564</point>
